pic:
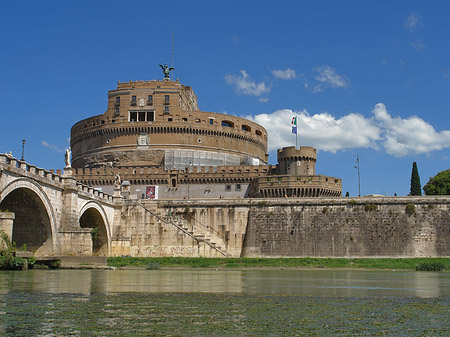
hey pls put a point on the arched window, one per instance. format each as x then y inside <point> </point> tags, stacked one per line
<point>228,124</point>
<point>246,128</point>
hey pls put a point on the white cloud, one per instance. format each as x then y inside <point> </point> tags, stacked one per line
<point>412,21</point>
<point>327,75</point>
<point>322,131</point>
<point>317,88</point>
<point>417,46</point>
<point>245,86</point>
<point>264,99</point>
<point>409,136</point>
<point>399,137</point>
<point>52,147</point>
<point>287,74</point>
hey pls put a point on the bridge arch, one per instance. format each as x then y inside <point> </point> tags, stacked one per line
<point>35,220</point>
<point>92,215</point>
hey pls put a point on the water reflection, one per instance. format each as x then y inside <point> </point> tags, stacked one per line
<point>340,283</point>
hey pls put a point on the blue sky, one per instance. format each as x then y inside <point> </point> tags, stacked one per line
<point>367,78</point>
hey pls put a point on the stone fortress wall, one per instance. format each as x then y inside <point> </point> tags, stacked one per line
<point>64,212</point>
<point>325,227</point>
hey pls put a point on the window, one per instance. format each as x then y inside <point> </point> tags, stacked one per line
<point>211,121</point>
<point>238,187</point>
<point>133,100</point>
<point>166,98</point>
<point>246,128</point>
<point>169,119</point>
<point>118,99</point>
<point>227,187</point>
<point>228,124</point>
<point>116,112</point>
<point>141,116</point>
<point>150,99</point>
<point>166,109</point>
<point>184,119</point>
<point>133,116</point>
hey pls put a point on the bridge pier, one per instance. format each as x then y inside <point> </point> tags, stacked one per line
<point>69,216</point>
<point>6,222</point>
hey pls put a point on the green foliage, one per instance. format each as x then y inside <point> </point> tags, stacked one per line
<point>415,181</point>
<point>262,203</point>
<point>244,262</point>
<point>370,207</point>
<point>410,209</point>
<point>7,259</point>
<point>325,210</point>
<point>439,184</point>
<point>152,266</point>
<point>352,202</point>
<point>430,266</point>
<point>347,194</point>
<point>94,233</point>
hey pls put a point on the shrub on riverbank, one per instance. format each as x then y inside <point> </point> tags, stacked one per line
<point>7,259</point>
<point>430,266</point>
<point>199,262</point>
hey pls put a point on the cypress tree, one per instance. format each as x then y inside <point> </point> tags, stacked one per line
<point>415,181</point>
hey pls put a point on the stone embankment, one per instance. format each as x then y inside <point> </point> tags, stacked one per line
<point>331,227</point>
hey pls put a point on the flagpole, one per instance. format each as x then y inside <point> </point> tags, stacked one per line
<point>295,128</point>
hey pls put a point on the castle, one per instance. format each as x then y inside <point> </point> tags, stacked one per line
<point>155,141</point>
<point>208,171</point>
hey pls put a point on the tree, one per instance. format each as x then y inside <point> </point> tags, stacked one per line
<point>415,181</point>
<point>439,184</point>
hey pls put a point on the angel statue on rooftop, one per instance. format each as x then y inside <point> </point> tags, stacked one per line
<point>166,70</point>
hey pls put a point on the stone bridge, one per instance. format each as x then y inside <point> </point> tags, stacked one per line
<point>51,213</point>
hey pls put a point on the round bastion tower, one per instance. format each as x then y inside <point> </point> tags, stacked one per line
<point>158,124</point>
<point>292,161</point>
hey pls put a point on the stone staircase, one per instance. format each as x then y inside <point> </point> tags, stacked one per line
<point>199,233</point>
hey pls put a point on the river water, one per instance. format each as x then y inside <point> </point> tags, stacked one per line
<point>208,302</point>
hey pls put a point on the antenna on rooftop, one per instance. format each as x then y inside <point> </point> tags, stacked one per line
<point>173,34</point>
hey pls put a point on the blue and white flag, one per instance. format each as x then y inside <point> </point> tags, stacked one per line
<point>294,129</point>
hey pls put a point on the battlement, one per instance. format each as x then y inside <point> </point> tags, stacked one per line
<point>294,154</point>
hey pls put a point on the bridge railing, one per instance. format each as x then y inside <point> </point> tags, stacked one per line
<point>22,165</point>
<point>88,189</point>
<point>51,175</point>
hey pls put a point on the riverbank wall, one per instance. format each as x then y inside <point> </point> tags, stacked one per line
<point>313,227</point>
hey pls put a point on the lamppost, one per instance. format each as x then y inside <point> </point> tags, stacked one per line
<point>23,148</point>
<point>359,181</point>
